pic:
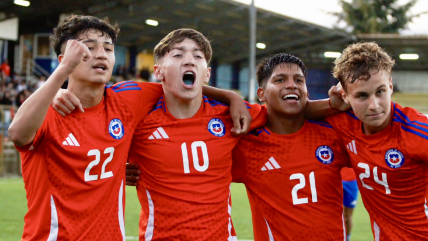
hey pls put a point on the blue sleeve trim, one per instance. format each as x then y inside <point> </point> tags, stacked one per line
<point>415,132</point>
<point>403,116</point>
<point>321,123</point>
<point>352,115</point>
<point>125,89</point>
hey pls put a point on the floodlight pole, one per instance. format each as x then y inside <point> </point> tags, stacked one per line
<point>252,67</point>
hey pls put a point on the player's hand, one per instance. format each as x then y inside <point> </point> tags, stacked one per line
<point>132,174</point>
<point>75,53</point>
<point>241,117</point>
<point>336,100</point>
<point>65,102</point>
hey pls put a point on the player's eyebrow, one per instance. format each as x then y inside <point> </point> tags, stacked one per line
<point>284,75</point>
<point>182,48</point>
<point>94,41</point>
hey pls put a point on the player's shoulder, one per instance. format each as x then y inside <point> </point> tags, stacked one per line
<point>258,132</point>
<point>215,107</point>
<point>408,114</point>
<point>411,121</point>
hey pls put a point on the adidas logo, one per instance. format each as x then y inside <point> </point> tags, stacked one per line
<point>70,141</point>
<point>159,133</point>
<point>270,165</point>
<point>351,147</point>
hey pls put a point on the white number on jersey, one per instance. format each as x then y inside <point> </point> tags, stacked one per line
<point>97,154</point>
<point>366,174</point>
<point>301,185</point>
<point>194,147</point>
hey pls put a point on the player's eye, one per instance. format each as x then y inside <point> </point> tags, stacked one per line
<point>299,80</point>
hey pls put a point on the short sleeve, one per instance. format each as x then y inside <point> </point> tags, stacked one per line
<point>140,97</point>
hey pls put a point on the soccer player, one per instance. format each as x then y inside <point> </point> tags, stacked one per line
<point>387,144</point>
<point>291,167</point>
<point>350,197</point>
<point>74,167</point>
<point>183,148</point>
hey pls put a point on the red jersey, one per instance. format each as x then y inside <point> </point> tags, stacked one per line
<point>391,168</point>
<point>186,165</point>
<point>293,182</point>
<point>348,174</point>
<point>74,169</point>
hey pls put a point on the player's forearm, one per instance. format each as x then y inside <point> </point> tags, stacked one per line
<point>32,112</point>
<point>319,109</point>
<point>226,96</point>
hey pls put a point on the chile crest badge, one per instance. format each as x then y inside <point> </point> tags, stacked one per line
<point>324,154</point>
<point>216,127</point>
<point>115,128</point>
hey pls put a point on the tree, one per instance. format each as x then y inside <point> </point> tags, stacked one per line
<point>376,16</point>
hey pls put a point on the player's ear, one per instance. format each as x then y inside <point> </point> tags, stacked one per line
<point>207,78</point>
<point>158,72</point>
<point>60,57</point>
<point>345,96</point>
<point>261,94</point>
<point>391,86</point>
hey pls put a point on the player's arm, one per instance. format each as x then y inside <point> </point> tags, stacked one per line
<point>32,112</point>
<point>320,109</point>
<point>238,109</point>
<point>132,174</point>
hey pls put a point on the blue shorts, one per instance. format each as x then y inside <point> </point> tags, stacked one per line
<point>350,193</point>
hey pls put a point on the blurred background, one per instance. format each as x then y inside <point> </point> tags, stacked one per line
<point>242,32</point>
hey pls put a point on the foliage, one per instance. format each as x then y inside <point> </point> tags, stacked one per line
<point>376,16</point>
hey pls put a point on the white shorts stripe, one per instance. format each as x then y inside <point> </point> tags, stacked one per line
<point>120,213</point>
<point>53,234</point>
<point>151,221</point>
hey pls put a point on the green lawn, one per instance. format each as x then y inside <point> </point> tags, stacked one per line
<point>13,208</point>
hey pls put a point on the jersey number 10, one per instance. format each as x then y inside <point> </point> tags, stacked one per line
<point>194,147</point>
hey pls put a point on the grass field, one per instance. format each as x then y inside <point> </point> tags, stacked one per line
<point>13,208</point>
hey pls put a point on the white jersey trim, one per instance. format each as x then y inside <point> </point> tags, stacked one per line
<point>53,234</point>
<point>120,213</point>
<point>344,228</point>
<point>151,221</point>
<point>426,208</point>
<point>229,226</point>
<point>376,231</point>
<point>269,231</point>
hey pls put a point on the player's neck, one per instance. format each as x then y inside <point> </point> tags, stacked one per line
<point>371,130</point>
<point>283,126</point>
<point>89,94</point>
<point>182,109</point>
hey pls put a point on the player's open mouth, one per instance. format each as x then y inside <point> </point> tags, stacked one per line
<point>100,66</point>
<point>290,97</point>
<point>189,78</point>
